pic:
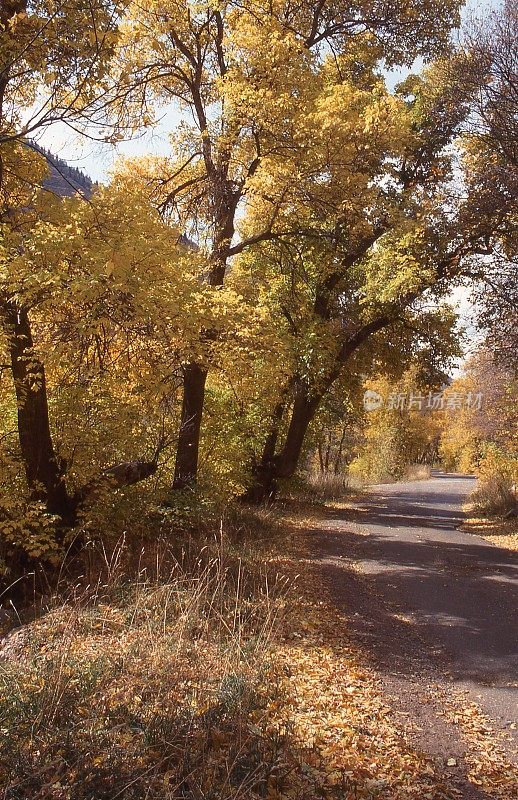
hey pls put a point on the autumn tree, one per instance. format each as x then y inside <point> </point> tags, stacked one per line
<point>371,274</point>
<point>247,80</point>
<point>496,303</point>
<point>380,443</point>
<point>403,431</point>
<point>492,420</point>
<point>333,438</point>
<point>483,436</point>
<point>108,291</point>
<point>54,60</point>
<point>488,64</point>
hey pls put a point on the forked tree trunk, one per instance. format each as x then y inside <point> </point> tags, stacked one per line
<point>186,467</point>
<point>283,465</point>
<point>45,477</point>
<point>305,406</point>
<point>263,473</point>
<point>304,409</point>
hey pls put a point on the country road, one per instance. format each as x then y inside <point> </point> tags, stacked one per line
<point>428,603</point>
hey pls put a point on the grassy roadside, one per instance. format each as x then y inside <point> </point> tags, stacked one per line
<point>503,533</point>
<point>233,680</point>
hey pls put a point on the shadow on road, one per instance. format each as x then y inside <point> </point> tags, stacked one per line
<point>458,597</point>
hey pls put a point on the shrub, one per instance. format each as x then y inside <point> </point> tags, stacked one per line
<point>417,472</point>
<point>495,494</point>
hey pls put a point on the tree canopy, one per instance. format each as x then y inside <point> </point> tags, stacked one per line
<point>185,328</point>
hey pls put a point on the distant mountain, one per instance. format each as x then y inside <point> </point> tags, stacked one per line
<point>64,180</point>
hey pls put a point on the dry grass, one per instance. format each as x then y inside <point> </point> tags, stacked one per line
<point>503,533</point>
<point>322,486</point>
<point>494,496</point>
<point>326,486</point>
<point>211,677</point>
<point>152,688</point>
<point>417,472</point>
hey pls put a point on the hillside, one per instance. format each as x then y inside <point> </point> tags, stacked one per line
<point>63,179</point>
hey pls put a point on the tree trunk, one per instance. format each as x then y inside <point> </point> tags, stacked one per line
<point>338,462</point>
<point>303,411</point>
<point>321,458</point>
<point>263,484</point>
<point>328,453</point>
<point>283,465</point>
<point>186,467</point>
<point>195,375</point>
<point>45,477</point>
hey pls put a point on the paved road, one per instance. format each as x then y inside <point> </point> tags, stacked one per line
<point>428,599</point>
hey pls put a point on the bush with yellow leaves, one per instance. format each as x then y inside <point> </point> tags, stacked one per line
<point>496,494</point>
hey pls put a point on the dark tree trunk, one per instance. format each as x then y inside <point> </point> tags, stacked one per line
<point>195,375</point>
<point>338,462</point>
<point>263,475</point>
<point>303,411</point>
<point>186,467</point>
<point>45,477</point>
<point>305,406</point>
<point>284,464</point>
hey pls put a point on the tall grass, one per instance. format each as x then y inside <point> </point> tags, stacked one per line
<point>417,472</point>
<point>328,486</point>
<point>154,688</point>
<point>495,496</point>
<point>496,492</point>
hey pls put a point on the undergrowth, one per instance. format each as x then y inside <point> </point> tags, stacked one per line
<point>154,687</point>
<point>496,491</point>
<point>494,497</point>
<point>157,674</point>
<point>322,486</point>
<point>210,673</point>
